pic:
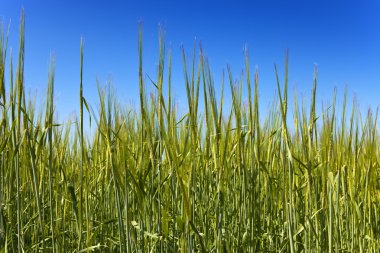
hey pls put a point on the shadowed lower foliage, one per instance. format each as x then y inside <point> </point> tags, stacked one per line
<point>215,179</point>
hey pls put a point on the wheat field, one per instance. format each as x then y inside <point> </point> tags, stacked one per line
<point>215,179</point>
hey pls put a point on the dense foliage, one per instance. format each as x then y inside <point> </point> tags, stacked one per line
<point>216,179</point>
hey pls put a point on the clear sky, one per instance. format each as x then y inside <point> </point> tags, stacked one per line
<point>341,37</point>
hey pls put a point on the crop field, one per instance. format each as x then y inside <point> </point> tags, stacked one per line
<point>215,179</point>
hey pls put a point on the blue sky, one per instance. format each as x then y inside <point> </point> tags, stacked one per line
<point>341,37</point>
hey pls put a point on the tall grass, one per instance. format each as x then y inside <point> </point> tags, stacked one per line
<point>215,179</point>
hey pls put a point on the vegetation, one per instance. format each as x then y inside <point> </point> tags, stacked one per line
<point>216,179</point>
